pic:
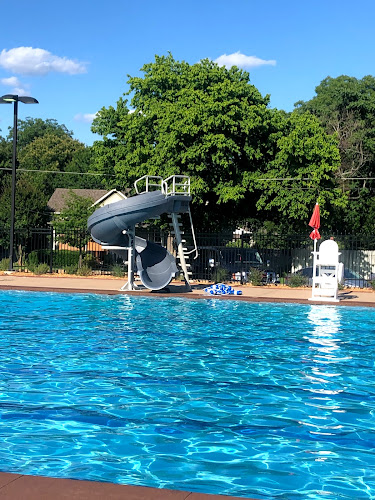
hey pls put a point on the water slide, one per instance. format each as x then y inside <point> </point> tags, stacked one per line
<point>113,227</point>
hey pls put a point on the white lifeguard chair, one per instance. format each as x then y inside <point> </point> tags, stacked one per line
<point>327,272</point>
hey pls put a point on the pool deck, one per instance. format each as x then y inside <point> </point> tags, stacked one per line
<point>112,286</point>
<point>18,486</point>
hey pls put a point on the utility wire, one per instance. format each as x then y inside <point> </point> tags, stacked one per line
<point>253,180</point>
<point>57,172</point>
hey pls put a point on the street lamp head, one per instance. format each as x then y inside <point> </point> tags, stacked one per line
<point>9,98</point>
<point>28,100</point>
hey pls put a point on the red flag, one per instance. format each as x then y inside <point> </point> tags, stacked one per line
<point>315,223</point>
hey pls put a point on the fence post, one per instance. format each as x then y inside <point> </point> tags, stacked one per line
<point>241,254</point>
<point>51,250</point>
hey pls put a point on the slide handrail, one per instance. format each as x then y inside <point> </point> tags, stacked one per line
<point>172,185</point>
<point>177,184</point>
<point>195,249</point>
<point>159,185</point>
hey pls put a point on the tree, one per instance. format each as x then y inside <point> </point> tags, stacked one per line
<point>210,123</point>
<point>47,146</point>
<point>201,120</point>
<point>30,204</point>
<point>345,107</point>
<point>301,173</point>
<point>32,128</point>
<point>5,156</point>
<point>71,223</point>
<point>81,163</point>
<point>49,154</point>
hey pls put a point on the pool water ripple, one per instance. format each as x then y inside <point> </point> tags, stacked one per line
<point>253,400</point>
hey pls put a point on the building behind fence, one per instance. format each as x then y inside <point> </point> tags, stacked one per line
<point>221,256</point>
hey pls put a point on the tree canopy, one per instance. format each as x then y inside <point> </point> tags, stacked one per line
<point>44,146</point>
<point>211,123</point>
<point>247,161</point>
<point>345,108</point>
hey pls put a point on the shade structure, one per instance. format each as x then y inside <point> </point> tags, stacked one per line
<point>315,223</point>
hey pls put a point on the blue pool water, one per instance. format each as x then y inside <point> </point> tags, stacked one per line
<point>245,399</point>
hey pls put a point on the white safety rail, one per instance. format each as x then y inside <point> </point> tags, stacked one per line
<point>177,184</point>
<point>151,183</point>
<point>173,185</point>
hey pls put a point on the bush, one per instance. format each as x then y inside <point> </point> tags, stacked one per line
<point>84,271</point>
<point>117,270</point>
<point>255,276</point>
<point>4,264</point>
<point>71,269</point>
<point>88,260</point>
<point>63,259</point>
<point>41,269</point>
<point>32,260</point>
<point>297,280</point>
<point>220,274</point>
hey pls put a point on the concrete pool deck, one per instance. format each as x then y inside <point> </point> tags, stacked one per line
<point>19,486</point>
<point>111,285</point>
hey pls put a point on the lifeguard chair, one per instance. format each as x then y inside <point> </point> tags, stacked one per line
<point>327,272</point>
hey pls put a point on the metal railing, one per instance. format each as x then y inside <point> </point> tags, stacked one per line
<point>172,185</point>
<point>221,256</point>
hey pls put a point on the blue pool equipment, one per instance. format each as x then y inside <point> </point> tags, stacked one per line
<point>221,289</point>
<point>113,227</point>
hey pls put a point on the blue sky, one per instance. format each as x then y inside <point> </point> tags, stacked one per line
<point>74,56</point>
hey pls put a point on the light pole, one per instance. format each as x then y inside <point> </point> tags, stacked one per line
<point>8,99</point>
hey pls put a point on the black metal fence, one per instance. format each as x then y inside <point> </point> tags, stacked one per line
<point>221,256</point>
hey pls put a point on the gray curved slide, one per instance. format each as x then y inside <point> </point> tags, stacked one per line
<point>156,266</point>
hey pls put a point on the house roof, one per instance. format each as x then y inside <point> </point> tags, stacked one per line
<point>58,200</point>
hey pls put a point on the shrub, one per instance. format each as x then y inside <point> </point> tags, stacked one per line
<point>4,264</point>
<point>63,259</point>
<point>84,271</point>
<point>71,269</point>
<point>255,276</point>
<point>220,274</point>
<point>297,280</point>
<point>41,269</point>
<point>32,260</point>
<point>117,270</point>
<point>88,260</point>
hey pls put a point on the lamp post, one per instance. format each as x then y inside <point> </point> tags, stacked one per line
<point>8,99</point>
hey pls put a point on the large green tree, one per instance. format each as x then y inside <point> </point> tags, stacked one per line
<point>210,123</point>
<point>70,224</point>
<point>345,107</point>
<point>46,150</point>
<point>201,120</point>
<point>50,154</point>
<point>301,173</point>
<point>32,128</point>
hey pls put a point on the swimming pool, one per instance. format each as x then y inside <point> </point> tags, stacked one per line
<point>244,399</point>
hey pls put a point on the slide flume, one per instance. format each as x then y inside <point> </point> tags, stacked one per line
<point>109,226</point>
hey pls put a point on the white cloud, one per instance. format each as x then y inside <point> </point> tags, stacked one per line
<point>242,61</point>
<point>30,61</point>
<point>17,87</point>
<point>12,81</point>
<point>85,117</point>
